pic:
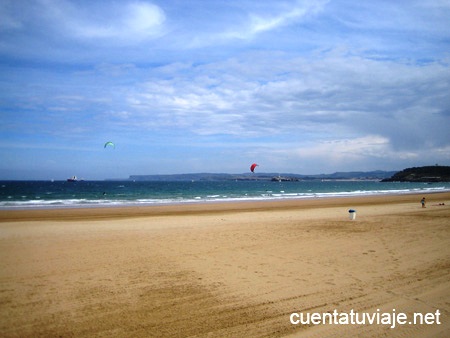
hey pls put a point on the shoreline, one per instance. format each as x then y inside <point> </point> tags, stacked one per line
<point>113,212</point>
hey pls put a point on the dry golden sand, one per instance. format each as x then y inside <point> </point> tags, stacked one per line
<point>224,270</point>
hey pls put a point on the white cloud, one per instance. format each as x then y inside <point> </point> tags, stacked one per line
<point>347,96</point>
<point>124,22</point>
<point>273,18</point>
<point>134,21</point>
<point>360,147</point>
<point>260,24</point>
<point>368,152</point>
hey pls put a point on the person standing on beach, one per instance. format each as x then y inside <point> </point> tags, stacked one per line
<point>422,201</point>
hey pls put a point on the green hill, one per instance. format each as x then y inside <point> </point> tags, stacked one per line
<point>422,174</point>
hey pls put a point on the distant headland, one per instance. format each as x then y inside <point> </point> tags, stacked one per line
<point>376,175</point>
<point>430,174</point>
<point>425,174</point>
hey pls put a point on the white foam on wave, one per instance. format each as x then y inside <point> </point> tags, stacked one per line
<point>73,203</point>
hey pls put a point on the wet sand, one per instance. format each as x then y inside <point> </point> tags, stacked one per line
<point>225,269</point>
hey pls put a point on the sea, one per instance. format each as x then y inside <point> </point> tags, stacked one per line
<point>63,194</point>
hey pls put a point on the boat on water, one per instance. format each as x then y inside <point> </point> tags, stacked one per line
<point>73,179</point>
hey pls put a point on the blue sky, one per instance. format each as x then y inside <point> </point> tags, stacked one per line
<point>212,86</point>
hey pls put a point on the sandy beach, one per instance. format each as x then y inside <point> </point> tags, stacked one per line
<point>227,269</point>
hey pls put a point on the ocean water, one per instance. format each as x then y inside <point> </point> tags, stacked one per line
<point>57,194</point>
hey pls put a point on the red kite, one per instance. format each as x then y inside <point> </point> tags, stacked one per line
<point>252,167</point>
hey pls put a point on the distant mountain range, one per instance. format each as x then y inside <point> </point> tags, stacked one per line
<point>353,175</point>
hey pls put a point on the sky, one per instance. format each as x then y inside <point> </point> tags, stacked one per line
<point>297,86</point>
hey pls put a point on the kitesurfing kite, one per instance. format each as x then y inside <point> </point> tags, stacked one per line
<point>252,167</point>
<point>109,143</point>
